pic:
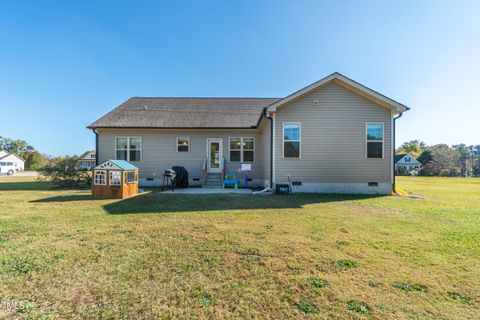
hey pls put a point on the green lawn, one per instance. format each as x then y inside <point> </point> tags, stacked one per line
<point>63,255</point>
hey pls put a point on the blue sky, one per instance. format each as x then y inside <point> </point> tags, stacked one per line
<point>63,64</point>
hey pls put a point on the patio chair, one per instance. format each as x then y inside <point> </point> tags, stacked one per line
<point>231,179</point>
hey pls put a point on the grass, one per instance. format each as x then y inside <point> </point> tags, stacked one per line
<point>167,256</point>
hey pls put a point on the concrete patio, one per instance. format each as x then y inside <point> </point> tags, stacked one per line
<point>208,191</point>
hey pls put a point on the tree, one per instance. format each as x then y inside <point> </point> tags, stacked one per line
<point>413,147</point>
<point>64,174</point>
<point>464,158</point>
<point>14,146</point>
<point>443,161</point>
<point>34,160</point>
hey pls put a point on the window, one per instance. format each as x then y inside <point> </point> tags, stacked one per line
<point>128,148</point>
<point>242,149</point>
<point>291,140</point>
<point>183,144</point>
<point>374,140</point>
<point>100,177</point>
<point>115,178</point>
<point>131,177</point>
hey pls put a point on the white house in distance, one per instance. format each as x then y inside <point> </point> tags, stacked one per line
<point>87,160</point>
<point>406,161</point>
<point>9,157</point>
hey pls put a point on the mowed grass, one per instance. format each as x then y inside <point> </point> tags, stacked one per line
<point>162,256</point>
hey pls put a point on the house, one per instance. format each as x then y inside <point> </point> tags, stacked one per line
<point>87,160</point>
<point>409,164</point>
<point>18,162</point>
<point>334,136</point>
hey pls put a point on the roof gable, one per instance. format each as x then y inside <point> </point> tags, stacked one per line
<point>116,165</point>
<point>9,154</point>
<point>401,158</point>
<point>348,84</point>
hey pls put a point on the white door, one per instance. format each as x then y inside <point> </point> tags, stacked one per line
<point>214,155</point>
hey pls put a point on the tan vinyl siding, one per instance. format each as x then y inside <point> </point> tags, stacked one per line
<point>333,138</point>
<point>159,149</point>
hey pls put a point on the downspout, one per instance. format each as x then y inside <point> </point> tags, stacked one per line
<point>393,155</point>
<point>96,146</point>
<point>271,146</point>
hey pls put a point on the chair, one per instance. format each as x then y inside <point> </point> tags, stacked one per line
<point>231,179</point>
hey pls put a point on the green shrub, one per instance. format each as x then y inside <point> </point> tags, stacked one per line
<point>64,173</point>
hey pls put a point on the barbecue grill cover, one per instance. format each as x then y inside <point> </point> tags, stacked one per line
<point>181,177</point>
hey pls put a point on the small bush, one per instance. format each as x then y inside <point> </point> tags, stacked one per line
<point>460,297</point>
<point>358,306</point>
<point>64,173</point>
<point>307,306</point>
<point>410,286</point>
<point>318,283</point>
<point>345,264</point>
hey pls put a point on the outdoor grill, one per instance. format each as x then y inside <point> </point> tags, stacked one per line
<point>168,178</point>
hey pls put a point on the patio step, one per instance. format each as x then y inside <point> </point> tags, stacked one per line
<point>213,180</point>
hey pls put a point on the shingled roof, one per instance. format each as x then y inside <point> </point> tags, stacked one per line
<point>185,113</point>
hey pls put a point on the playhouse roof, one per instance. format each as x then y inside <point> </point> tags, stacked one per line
<point>116,164</point>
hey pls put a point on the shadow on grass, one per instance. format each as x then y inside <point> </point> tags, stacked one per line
<point>25,185</point>
<point>69,198</point>
<point>158,203</point>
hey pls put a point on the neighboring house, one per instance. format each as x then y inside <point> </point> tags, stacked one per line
<point>409,164</point>
<point>334,135</point>
<point>87,160</point>
<point>8,157</point>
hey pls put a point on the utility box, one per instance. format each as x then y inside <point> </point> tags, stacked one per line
<point>114,179</point>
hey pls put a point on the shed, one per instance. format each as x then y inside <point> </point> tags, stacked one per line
<point>114,179</point>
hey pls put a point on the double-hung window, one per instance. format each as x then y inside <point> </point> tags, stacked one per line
<point>292,139</point>
<point>183,144</point>
<point>374,138</point>
<point>128,148</point>
<point>242,149</point>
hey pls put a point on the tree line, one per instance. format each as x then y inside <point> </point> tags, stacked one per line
<point>444,160</point>
<point>34,160</point>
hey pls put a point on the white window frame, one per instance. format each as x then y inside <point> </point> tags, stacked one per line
<point>184,138</point>
<point>241,149</point>
<point>96,182</point>
<point>110,177</point>
<point>367,141</point>
<point>128,147</point>
<point>299,140</point>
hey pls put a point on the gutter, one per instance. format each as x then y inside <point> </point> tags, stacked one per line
<point>393,155</point>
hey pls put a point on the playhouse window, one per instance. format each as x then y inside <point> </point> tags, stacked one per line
<point>131,177</point>
<point>100,178</point>
<point>115,178</point>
